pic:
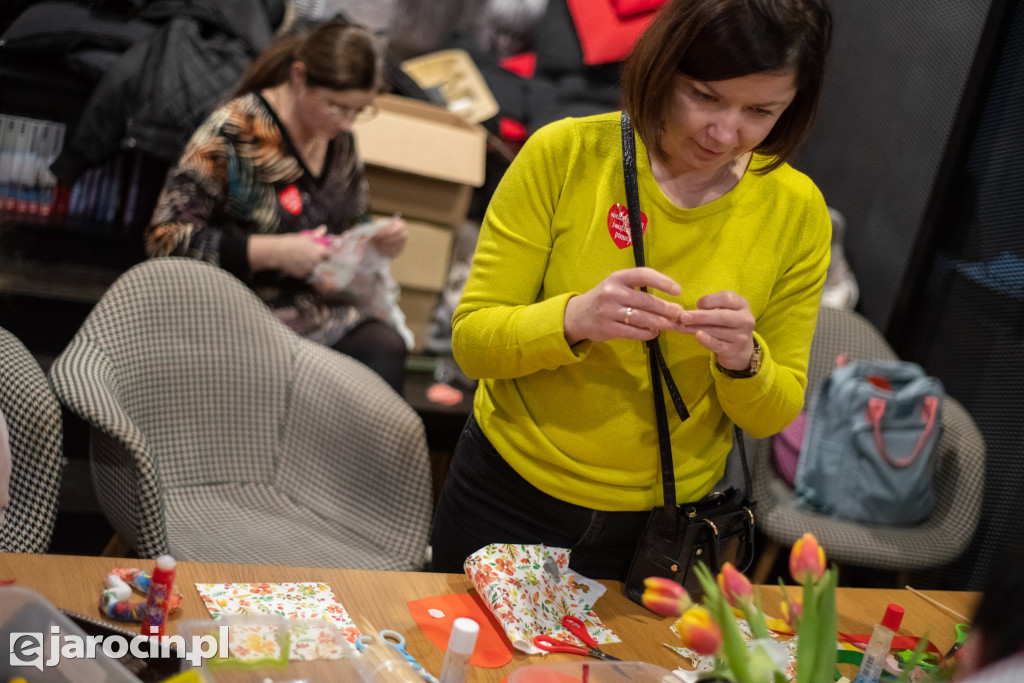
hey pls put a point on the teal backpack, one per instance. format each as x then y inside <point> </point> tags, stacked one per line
<point>867,452</point>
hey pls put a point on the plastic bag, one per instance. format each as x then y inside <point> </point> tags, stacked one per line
<point>357,267</point>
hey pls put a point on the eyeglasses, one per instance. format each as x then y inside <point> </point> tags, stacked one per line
<point>340,111</point>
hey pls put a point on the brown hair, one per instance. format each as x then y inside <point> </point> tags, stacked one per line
<point>337,55</point>
<point>715,40</point>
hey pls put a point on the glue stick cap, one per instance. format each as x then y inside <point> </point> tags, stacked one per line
<point>463,637</point>
<point>893,617</point>
<point>165,562</point>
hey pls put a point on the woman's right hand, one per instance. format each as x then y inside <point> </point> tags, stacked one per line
<point>293,254</point>
<point>601,313</point>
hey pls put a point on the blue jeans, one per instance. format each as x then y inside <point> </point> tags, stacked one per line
<point>485,501</point>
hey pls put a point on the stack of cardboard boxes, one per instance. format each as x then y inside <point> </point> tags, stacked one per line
<point>423,162</point>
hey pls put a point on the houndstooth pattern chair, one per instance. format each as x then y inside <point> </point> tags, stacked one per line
<point>220,435</point>
<point>36,433</point>
<point>958,478</point>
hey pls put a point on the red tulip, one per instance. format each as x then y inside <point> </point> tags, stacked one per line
<point>665,597</point>
<point>735,586</point>
<point>698,631</point>
<point>806,560</point>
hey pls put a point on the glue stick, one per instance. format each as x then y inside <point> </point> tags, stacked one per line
<point>460,648</point>
<point>160,586</point>
<point>879,645</point>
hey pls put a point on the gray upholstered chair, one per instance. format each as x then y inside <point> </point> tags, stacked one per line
<point>218,434</point>
<point>958,478</point>
<point>36,433</point>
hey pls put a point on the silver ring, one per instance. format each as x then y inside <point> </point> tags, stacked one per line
<point>629,312</point>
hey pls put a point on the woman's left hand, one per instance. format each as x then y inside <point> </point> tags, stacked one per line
<point>723,324</point>
<point>390,241</point>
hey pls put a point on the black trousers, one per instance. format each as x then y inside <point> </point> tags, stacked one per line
<point>378,346</point>
<point>485,501</point>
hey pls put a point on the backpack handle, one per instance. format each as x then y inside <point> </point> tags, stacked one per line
<point>876,408</point>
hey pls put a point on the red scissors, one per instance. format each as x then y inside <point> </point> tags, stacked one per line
<point>578,629</point>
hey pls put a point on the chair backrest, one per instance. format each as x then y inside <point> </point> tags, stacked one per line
<point>196,392</point>
<point>957,478</point>
<point>840,331</point>
<point>36,433</point>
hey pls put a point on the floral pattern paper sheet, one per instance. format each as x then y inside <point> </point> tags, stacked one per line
<point>290,600</point>
<point>529,588</point>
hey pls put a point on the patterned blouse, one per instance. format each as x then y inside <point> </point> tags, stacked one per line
<point>241,175</point>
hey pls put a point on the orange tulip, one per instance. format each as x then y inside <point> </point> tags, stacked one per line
<point>735,586</point>
<point>665,597</point>
<point>698,631</point>
<point>806,560</point>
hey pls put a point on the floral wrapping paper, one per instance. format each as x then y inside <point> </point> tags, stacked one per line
<point>529,588</point>
<point>301,601</point>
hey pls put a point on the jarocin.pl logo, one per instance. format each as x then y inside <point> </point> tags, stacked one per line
<point>30,648</point>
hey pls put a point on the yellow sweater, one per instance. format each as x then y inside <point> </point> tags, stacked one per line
<point>578,422</point>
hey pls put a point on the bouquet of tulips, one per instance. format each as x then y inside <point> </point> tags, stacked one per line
<point>711,629</point>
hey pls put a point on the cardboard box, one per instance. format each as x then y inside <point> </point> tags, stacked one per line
<point>453,74</point>
<point>424,262</point>
<point>421,160</point>
<point>418,306</point>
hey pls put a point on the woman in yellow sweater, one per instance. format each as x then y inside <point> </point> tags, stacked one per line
<point>562,448</point>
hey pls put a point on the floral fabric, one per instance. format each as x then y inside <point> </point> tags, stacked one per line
<point>529,588</point>
<point>290,600</point>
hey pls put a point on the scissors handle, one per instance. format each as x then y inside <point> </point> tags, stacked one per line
<point>549,644</point>
<point>576,627</point>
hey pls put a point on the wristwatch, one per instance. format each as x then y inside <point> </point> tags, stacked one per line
<point>752,368</point>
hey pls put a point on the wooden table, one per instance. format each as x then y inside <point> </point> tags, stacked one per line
<point>377,600</point>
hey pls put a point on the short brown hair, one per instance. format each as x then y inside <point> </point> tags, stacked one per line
<point>715,40</point>
<point>338,55</point>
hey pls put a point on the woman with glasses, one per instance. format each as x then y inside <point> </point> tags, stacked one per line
<point>272,173</point>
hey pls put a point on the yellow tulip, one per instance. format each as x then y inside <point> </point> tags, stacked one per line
<point>665,597</point>
<point>698,631</point>
<point>806,560</point>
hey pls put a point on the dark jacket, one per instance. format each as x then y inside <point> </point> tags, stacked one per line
<point>161,89</point>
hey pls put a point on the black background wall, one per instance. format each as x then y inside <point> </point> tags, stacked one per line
<point>918,144</point>
<point>961,312</point>
<point>895,79</point>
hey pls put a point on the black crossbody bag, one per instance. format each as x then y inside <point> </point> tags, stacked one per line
<point>716,529</point>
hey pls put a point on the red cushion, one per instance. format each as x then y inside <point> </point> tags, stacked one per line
<point>604,35</point>
<point>627,8</point>
<point>521,65</point>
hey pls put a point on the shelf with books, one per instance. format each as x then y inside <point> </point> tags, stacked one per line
<point>105,199</point>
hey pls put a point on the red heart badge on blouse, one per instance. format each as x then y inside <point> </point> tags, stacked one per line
<point>291,200</point>
<point>618,225</point>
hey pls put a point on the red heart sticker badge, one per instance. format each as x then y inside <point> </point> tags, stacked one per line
<point>291,200</point>
<point>618,225</point>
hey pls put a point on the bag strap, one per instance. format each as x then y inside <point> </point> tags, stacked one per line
<point>658,366</point>
<point>876,408</point>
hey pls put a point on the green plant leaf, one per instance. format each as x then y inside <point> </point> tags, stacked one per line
<point>826,632</point>
<point>733,647</point>
<point>806,647</point>
<point>755,617</point>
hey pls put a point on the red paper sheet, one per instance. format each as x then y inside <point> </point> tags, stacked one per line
<point>492,647</point>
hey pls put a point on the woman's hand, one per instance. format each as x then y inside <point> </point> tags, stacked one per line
<point>294,254</point>
<point>617,309</point>
<point>723,324</point>
<point>390,241</point>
